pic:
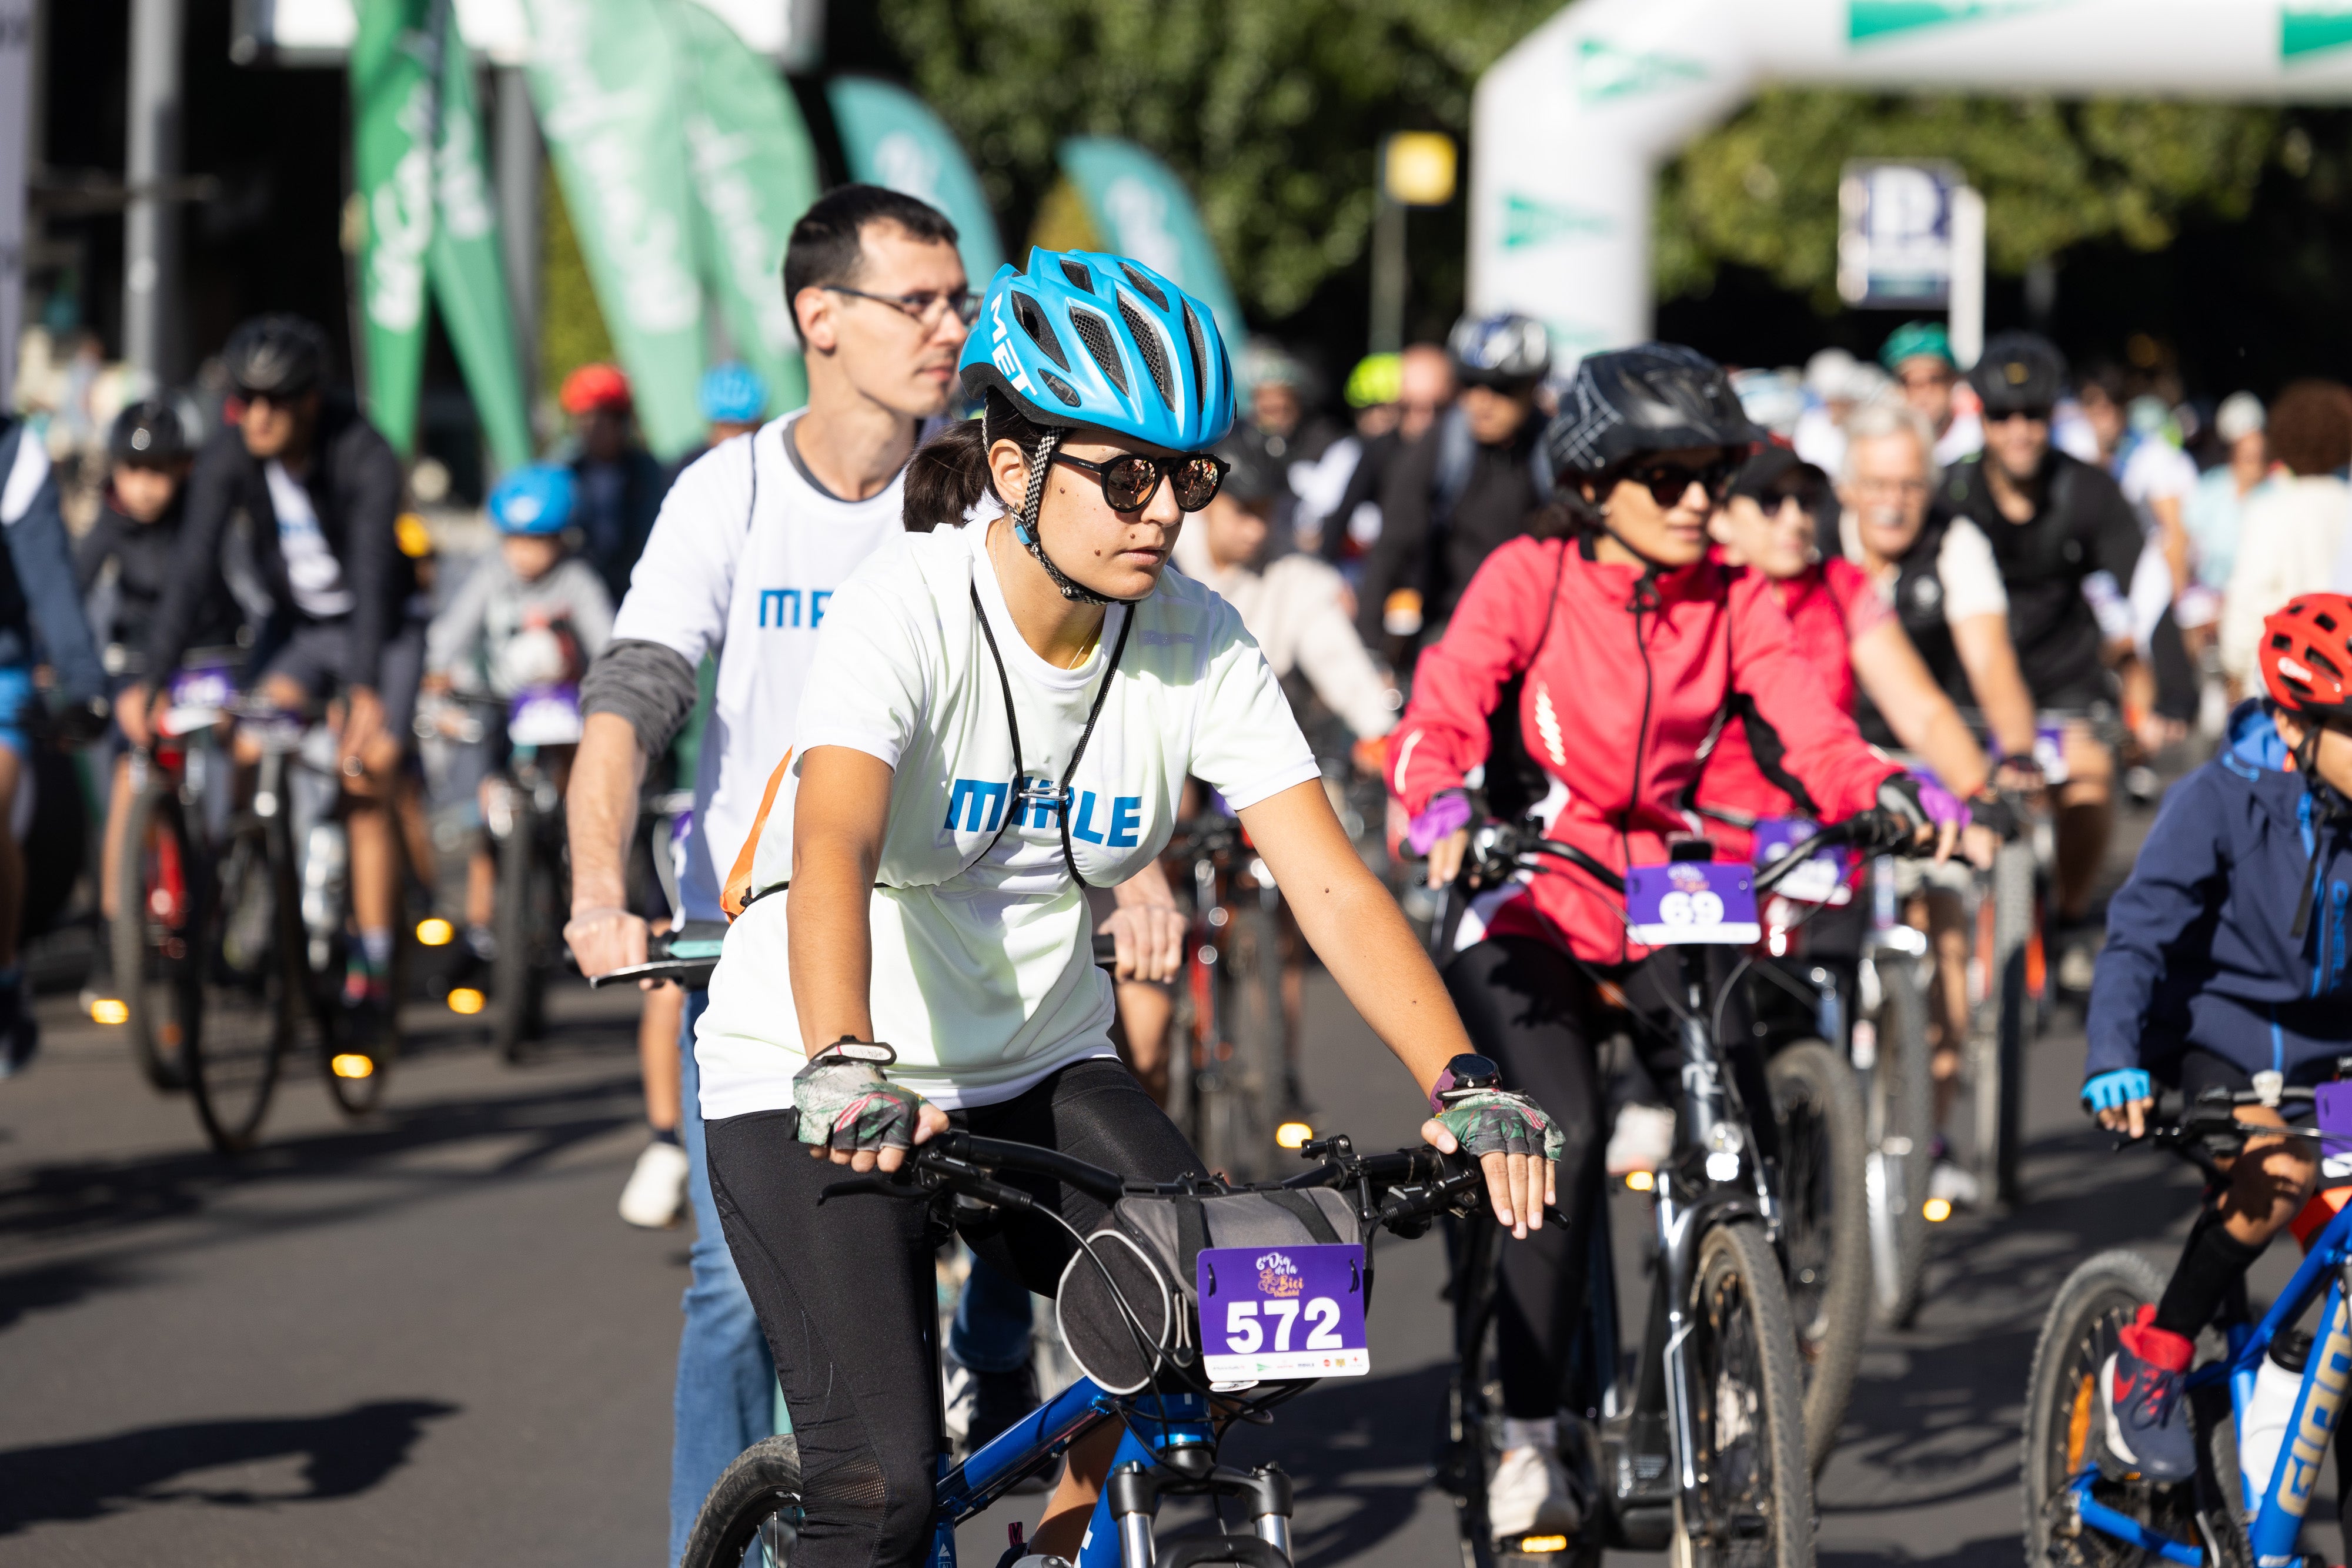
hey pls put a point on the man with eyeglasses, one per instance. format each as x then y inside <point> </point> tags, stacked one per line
<point>752,543</point>
<point>2057,525</point>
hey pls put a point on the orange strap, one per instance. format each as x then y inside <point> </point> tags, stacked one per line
<point>736,893</point>
<point>2323,1207</point>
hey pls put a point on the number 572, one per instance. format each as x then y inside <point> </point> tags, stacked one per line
<point>1245,1334</point>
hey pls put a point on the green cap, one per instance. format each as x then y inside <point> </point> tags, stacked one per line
<point>1377,379</point>
<point>1917,339</point>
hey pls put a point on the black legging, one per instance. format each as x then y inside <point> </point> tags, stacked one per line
<point>847,1298</point>
<point>1534,1010</point>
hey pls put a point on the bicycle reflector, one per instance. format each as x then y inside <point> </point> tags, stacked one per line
<point>1293,1134</point>
<point>1639,1181</point>
<point>110,1009</point>
<point>467,1000</point>
<point>1535,1543</point>
<point>435,932</point>
<point>1936,1210</point>
<point>351,1065</point>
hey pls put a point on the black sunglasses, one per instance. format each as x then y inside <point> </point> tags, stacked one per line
<point>2039,414</point>
<point>1668,483</point>
<point>1129,482</point>
<point>923,305</point>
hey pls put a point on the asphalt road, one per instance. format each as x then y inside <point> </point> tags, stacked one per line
<point>425,1337</point>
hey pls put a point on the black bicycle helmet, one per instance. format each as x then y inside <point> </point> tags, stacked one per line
<point>1629,403</point>
<point>1507,351</point>
<point>276,356</point>
<point>2019,371</point>
<point>151,432</point>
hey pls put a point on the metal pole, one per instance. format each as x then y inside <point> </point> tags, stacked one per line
<point>518,161</point>
<point>1967,295</point>
<point>151,258</point>
<point>16,68</point>
<point>1388,276</point>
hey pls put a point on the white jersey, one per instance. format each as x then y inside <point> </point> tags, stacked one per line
<point>743,562</point>
<point>984,976</point>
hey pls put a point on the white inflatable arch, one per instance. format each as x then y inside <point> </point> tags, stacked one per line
<point>1568,129</point>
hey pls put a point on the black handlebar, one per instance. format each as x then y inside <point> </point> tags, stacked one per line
<point>689,955</point>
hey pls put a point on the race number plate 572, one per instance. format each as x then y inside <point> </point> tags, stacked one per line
<point>1283,1313</point>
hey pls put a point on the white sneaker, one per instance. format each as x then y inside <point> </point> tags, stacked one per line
<point>1643,1138</point>
<point>1954,1184</point>
<point>656,1196</point>
<point>1529,1495</point>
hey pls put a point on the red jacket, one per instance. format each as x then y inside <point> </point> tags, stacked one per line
<point>1828,606</point>
<point>1615,706</point>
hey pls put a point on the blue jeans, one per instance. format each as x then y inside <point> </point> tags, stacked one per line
<point>991,1332</point>
<point>726,1397</point>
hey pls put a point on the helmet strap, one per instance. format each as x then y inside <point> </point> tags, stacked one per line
<point>1027,525</point>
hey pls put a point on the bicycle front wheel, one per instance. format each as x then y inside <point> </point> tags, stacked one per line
<point>757,1503</point>
<point>2063,1436</point>
<point>511,974</point>
<point>155,966</point>
<point>1823,1161</point>
<point>2001,1059</point>
<point>1754,1506</point>
<point>248,1007</point>
<point>1899,1123</point>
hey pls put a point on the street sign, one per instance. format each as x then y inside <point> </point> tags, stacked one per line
<point>1895,234</point>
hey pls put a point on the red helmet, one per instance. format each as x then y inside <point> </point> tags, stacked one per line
<point>2306,655</point>
<point>592,389</point>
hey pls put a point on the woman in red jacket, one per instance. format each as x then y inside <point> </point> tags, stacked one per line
<point>1625,647</point>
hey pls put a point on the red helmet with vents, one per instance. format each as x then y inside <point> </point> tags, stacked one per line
<point>2306,655</point>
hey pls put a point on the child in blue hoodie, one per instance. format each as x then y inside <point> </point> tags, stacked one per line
<point>2225,959</point>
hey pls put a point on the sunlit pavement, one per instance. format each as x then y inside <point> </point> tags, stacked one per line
<point>426,1338</point>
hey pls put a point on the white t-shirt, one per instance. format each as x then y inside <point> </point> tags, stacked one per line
<point>311,569</point>
<point>1966,573</point>
<point>2156,470</point>
<point>743,562</point>
<point>983,974</point>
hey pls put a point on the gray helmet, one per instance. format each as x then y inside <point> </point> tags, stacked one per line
<point>1629,403</point>
<point>1500,350</point>
<point>276,356</point>
<point>2019,371</point>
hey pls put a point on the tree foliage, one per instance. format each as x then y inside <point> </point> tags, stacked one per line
<point>1762,190</point>
<point>1270,113</point>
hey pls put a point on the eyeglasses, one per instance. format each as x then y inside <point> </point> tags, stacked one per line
<point>1668,483</point>
<point>1128,481</point>
<point>924,305</point>
<point>1808,496</point>
<point>2034,415</point>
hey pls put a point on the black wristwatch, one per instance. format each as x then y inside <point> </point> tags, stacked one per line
<point>1466,1074</point>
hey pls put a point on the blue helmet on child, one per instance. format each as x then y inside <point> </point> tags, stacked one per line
<point>733,393</point>
<point>534,499</point>
<point>1085,338</point>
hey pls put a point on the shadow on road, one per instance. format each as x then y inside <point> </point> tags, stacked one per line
<point>80,1200</point>
<point>342,1455</point>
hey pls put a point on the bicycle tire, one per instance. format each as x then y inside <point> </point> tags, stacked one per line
<point>148,978</point>
<point>2078,1334</point>
<point>247,999</point>
<point>757,1501</point>
<point>355,1096</point>
<point>1824,1201</point>
<point>1900,1119</point>
<point>510,971</point>
<point>2000,1056</point>
<point>1756,1488</point>
<point>1469,1439</point>
<point>1238,1118</point>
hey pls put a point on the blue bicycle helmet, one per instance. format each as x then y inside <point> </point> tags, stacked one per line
<point>1083,339</point>
<point>733,393</point>
<point>535,499</point>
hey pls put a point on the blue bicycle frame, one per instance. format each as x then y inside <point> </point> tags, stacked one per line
<point>1119,1533</point>
<point>2274,1517</point>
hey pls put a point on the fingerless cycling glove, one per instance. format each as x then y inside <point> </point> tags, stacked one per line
<point>845,1103</point>
<point>1498,1122</point>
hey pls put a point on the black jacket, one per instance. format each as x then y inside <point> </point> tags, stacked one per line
<point>41,612</point>
<point>613,543</point>
<point>1498,502</point>
<point>355,485</point>
<point>144,557</point>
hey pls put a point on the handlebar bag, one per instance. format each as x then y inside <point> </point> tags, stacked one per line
<point>1128,1304</point>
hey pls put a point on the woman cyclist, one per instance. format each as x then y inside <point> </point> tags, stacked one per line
<point>1002,710</point>
<point>1627,645</point>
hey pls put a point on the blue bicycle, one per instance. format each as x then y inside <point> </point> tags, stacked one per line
<point>1283,1314</point>
<point>2082,1509</point>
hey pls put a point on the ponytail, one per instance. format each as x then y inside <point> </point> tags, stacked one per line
<point>949,473</point>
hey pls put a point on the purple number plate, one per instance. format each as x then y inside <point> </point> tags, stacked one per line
<point>1281,1314</point>
<point>2333,1101</point>
<point>1820,880</point>
<point>1691,901</point>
